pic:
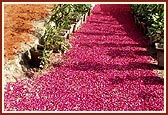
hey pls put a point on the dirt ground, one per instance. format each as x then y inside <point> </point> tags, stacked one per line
<point>18,25</point>
<point>21,22</point>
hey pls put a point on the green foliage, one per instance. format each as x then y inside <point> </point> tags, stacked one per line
<point>62,16</point>
<point>153,16</point>
<point>64,13</point>
<point>78,10</point>
<point>157,29</point>
<point>53,43</point>
<point>45,58</point>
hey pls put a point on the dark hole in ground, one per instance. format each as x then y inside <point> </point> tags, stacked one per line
<point>30,61</point>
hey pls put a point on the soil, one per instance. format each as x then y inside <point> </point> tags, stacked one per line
<point>21,24</point>
<point>18,24</point>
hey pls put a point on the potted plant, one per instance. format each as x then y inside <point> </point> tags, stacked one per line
<point>151,20</point>
<point>85,16</point>
<point>156,29</point>
<point>64,33</point>
<point>72,28</point>
<point>157,35</point>
<point>160,54</point>
<point>65,19</point>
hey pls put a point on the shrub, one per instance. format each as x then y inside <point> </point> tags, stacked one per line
<point>61,17</point>
<point>153,16</point>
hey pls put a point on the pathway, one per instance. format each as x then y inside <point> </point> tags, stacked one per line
<point>108,68</point>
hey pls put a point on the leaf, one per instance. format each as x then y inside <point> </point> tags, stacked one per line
<point>158,31</point>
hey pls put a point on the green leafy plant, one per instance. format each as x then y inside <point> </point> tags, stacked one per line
<point>61,17</point>
<point>52,43</point>
<point>153,16</point>
<point>45,58</point>
<point>63,14</point>
<point>157,29</point>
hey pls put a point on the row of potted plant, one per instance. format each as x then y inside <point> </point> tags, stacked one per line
<point>150,18</point>
<point>64,20</point>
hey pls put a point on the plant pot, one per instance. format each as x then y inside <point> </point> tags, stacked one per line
<point>73,20</point>
<point>139,23</point>
<point>72,28</point>
<point>85,16</point>
<point>66,30</point>
<point>143,27</point>
<point>150,41</point>
<point>63,34</point>
<point>135,19</point>
<point>160,54</point>
<point>89,12</point>
<point>81,19</point>
<point>148,31</point>
<point>77,24</point>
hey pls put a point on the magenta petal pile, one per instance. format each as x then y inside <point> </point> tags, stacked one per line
<point>108,69</point>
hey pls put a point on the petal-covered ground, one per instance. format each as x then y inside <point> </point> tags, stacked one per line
<point>108,69</point>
